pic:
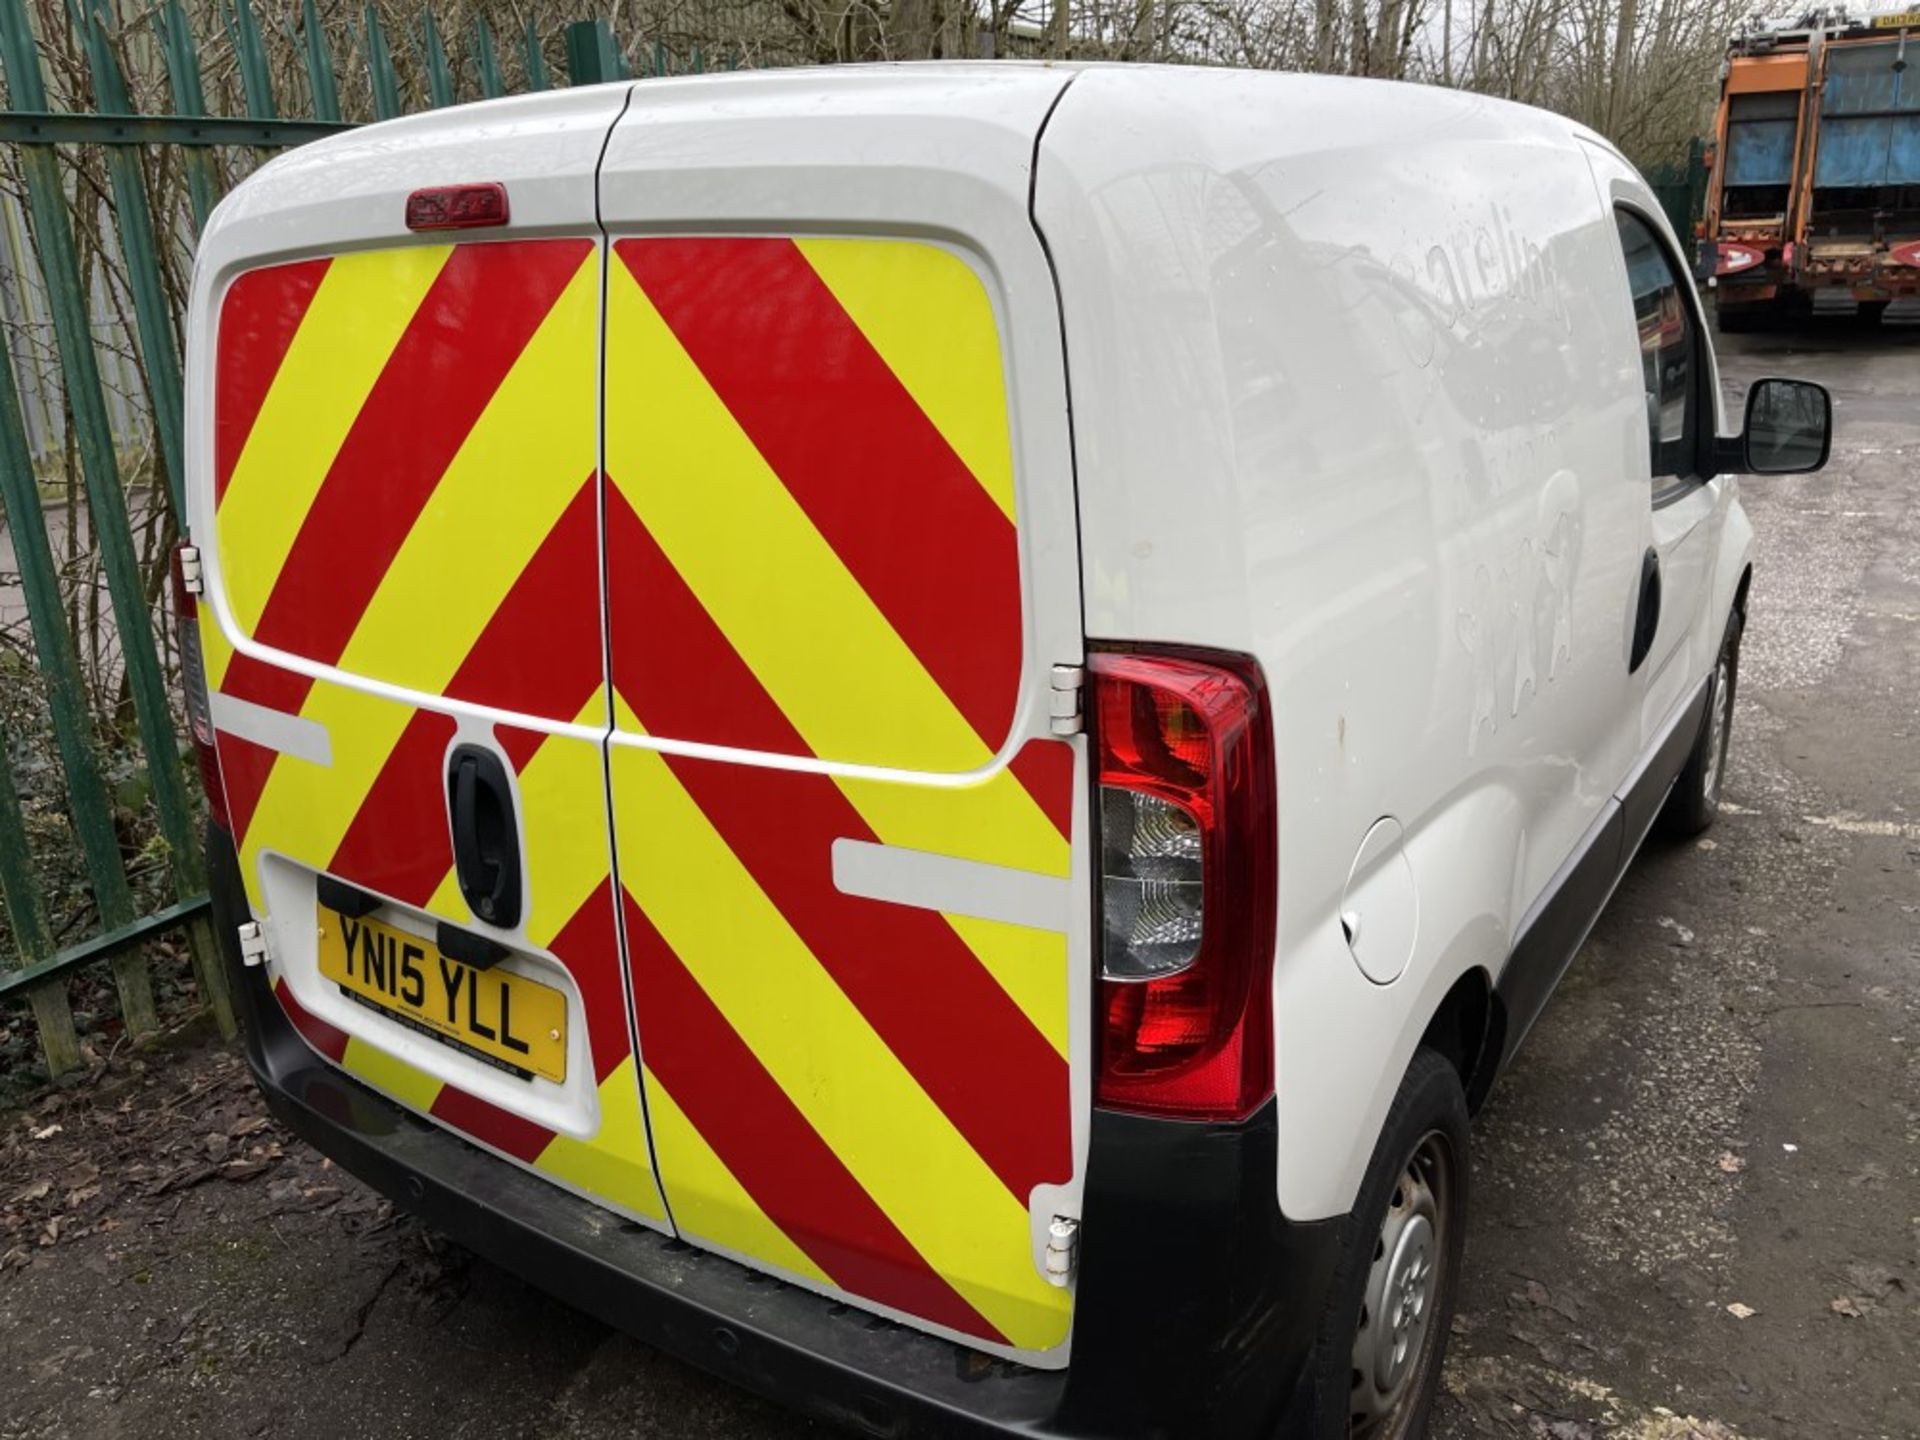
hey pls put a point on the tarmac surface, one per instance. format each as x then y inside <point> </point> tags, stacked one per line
<point>1696,1195</point>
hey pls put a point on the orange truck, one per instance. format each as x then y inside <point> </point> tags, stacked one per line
<point>1815,167</point>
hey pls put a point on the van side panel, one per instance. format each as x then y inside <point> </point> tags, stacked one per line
<point>1353,407</point>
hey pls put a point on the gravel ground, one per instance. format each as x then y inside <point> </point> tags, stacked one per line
<point>1697,1192</point>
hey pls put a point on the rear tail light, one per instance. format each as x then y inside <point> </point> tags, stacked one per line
<point>193,684</point>
<point>1188,883</point>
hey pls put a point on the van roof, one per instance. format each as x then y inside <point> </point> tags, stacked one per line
<point>1292,113</point>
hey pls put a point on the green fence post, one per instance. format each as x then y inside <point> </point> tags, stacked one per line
<point>380,73</point>
<point>54,1016</point>
<point>536,62</point>
<point>133,219</point>
<point>660,58</point>
<point>591,56</point>
<point>66,697</point>
<point>439,72</point>
<point>256,80</point>
<point>159,347</point>
<point>320,78</point>
<point>106,499</point>
<point>189,98</point>
<point>486,61</point>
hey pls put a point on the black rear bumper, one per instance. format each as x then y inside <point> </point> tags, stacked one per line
<point>1196,1309</point>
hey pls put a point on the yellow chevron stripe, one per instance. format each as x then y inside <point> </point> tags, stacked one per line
<point>708,1203</point>
<point>564,817</point>
<point>841,672</point>
<point>413,1088</point>
<point>215,649</point>
<point>1031,966</point>
<point>614,1164</point>
<point>305,809</point>
<point>357,316</point>
<point>928,315</point>
<point>850,1087</point>
<point>524,461</point>
<point>775,587</point>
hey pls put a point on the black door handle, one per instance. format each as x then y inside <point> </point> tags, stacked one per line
<point>486,838</point>
<point>1646,620</point>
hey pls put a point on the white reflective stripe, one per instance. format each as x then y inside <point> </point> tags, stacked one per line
<point>955,887</point>
<point>306,740</point>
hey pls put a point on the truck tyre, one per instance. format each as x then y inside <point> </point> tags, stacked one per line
<point>1383,1337</point>
<point>1740,320</point>
<point>1694,801</point>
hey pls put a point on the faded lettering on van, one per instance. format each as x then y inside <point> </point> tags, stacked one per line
<point>1475,267</point>
<point>1516,625</point>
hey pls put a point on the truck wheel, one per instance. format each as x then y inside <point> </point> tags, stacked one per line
<point>1738,321</point>
<point>1384,1334</point>
<point>1694,801</point>
<point>1869,313</point>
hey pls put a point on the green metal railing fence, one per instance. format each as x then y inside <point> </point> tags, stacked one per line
<point>1681,188</point>
<point>161,47</point>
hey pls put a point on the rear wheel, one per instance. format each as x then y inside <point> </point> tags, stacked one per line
<point>1384,1336</point>
<point>1694,802</point>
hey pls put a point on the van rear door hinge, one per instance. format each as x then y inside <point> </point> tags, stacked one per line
<point>1068,683</point>
<point>192,577</point>
<point>253,944</point>
<point>1063,1250</point>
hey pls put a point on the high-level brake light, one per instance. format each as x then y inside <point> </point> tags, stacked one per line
<point>457,207</point>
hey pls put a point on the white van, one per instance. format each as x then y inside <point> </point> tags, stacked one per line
<point>923,732</point>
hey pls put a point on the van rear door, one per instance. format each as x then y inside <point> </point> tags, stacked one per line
<point>842,570</point>
<point>396,493</point>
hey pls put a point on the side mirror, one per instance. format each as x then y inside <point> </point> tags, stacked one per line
<point>1789,428</point>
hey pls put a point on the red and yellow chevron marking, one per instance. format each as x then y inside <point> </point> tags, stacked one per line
<point>812,551</point>
<point>438,531</point>
<point>848,396</point>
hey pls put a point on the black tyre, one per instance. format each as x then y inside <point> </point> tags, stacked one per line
<point>1376,1366</point>
<point>1739,320</point>
<point>1694,802</point>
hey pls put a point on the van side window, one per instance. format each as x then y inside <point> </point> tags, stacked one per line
<point>1667,347</point>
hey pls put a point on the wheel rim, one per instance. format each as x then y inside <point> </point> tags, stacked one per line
<point>1719,723</point>
<point>1396,1341</point>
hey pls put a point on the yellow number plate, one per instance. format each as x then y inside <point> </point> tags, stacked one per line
<point>1905,20</point>
<point>509,1021</point>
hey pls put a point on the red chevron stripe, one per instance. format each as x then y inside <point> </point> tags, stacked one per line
<point>540,652</point>
<point>258,319</point>
<point>872,472</point>
<point>244,768</point>
<point>273,686</point>
<point>768,1146</point>
<point>589,948</point>
<point>906,970</point>
<point>398,843</point>
<point>490,1125</point>
<point>477,317</point>
<point>329,1040</point>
